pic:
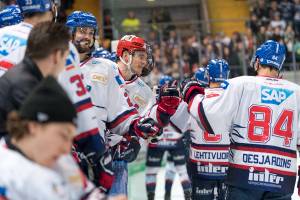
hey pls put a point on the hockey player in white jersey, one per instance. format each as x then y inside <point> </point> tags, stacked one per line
<point>13,39</point>
<point>104,84</point>
<point>10,15</point>
<point>209,152</point>
<point>13,42</point>
<point>171,142</point>
<point>261,114</point>
<point>35,155</point>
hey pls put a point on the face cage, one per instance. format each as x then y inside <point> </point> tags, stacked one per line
<point>151,62</point>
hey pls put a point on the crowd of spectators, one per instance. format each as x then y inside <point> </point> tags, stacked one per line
<point>277,20</point>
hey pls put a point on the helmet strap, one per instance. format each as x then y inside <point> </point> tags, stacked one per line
<point>128,64</point>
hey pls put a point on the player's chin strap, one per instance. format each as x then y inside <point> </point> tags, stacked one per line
<point>128,64</point>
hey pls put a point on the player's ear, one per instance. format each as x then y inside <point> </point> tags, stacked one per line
<point>125,56</point>
<point>256,64</point>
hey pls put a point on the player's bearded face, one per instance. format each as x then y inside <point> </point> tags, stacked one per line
<point>84,39</point>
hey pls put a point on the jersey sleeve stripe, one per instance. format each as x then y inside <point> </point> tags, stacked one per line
<point>6,65</point>
<point>121,118</point>
<point>262,169</point>
<point>203,119</point>
<point>83,105</point>
<point>91,132</point>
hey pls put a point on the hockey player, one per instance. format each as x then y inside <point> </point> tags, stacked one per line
<point>13,41</point>
<point>10,15</point>
<point>13,38</point>
<point>34,156</point>
<point>208,152</point>
<point>104,84</point>
<point>171,142</point>
<point>261,114</point>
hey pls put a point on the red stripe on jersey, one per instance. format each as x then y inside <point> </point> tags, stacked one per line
<point>262,169</point>
<point>210,148</point>
<point>70,68</point>
<point>262,150</point>
<point>206,163</point>
<point>6,65</point>
<point>84,107</point>
<point>122,118</point>
<point>86,134</point>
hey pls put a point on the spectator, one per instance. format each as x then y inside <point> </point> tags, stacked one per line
<point>261,11</point>
<point>131,24</point>
<point>261,36</point>
<point>287,10</point>
<point>107,23</point>
<point>273,9</point>
<point>277,21</point>
<point>297,17</point>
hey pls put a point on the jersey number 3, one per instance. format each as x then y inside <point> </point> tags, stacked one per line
<point>259,126</point>
<point>80,86</point>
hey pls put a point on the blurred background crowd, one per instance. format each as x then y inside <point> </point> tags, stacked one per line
<point>183,41</point>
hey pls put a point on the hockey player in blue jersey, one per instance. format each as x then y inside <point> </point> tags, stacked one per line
<point>209,172</point>
<point>261,114</point>
<point>10,15</point>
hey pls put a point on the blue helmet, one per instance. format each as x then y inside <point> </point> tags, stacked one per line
<point>201,76</point>
<point>113,56</point>
<point>218,70</point>
<point>82,19</point>
<point>33,6</point>
<point>10,15</point>
<point>165,80</point>
<point>270,53</point>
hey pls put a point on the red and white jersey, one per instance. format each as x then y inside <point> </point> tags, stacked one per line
<point>261,114</point>
<point>104,85</point>
<point>208,152</point>
<point>90,137</point>
<point>13,43</point>
<point>22,178</point>
<point>140,95</point>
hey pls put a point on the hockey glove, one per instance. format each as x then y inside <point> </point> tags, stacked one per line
<point>190,88</point>
<point>129,148</point>
<point>103,173</point>
<point>145,127</point>
<point>168,98</point>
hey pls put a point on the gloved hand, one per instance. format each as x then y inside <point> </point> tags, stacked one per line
<point>128,148</point>
<point>103,173</point>
<point>190,88</point>
<point>168,98</point>
<point>145,127</point>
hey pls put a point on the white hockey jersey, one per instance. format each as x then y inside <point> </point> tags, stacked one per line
<point>13,42</point>
<point>140,95</point>
<point>104,85</point>
<point>173,132</point>
<point>208,152</point>
<point>23,179</point>
<point>262,116</point>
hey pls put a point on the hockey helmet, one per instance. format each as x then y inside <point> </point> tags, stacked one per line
<point>10,15</point>
<point>218,70</point>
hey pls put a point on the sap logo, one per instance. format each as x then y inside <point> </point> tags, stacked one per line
<point>10,43</point>
<point>274,95</point>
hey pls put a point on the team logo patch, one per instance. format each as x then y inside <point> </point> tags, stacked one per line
<point>10,43</point>
<point>140,100</point>
<point>274,96</point>
<point>101,78</point>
